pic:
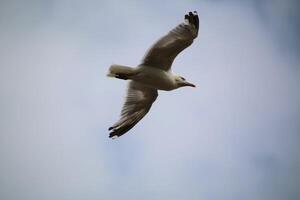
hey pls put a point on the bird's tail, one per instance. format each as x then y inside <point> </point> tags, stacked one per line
<point>120,71</point>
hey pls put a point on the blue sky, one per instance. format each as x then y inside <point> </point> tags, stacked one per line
<point>236,136</point>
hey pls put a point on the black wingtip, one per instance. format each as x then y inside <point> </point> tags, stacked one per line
<point>119,131</point>
<point>196,19</point>
<point>193,18</point>
<point>111,135</point>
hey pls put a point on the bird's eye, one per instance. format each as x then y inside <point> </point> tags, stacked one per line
<point>182,78</point>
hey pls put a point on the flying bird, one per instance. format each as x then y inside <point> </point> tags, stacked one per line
<point>152,74</point>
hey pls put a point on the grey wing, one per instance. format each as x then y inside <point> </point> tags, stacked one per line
<point>163,52</point>
<point>138,102</point>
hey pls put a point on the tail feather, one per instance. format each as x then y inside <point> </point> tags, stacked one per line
<point>120,71</point>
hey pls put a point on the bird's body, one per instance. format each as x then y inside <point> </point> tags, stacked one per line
<point>155,78</point>
<point>153,74</point>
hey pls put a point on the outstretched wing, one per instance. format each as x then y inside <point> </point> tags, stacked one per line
<point>138,102</point>
<point>163,52</point>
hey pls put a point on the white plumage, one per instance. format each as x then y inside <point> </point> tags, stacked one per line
<point>153,74</point>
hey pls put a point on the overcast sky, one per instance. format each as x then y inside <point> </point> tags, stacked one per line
<point>236,136</point>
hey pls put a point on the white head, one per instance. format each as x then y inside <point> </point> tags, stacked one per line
<point>181,82</point>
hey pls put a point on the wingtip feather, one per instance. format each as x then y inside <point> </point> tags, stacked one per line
<point>113,137</point>
<point>192,17</point>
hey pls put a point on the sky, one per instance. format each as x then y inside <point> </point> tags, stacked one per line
<point>236,136</point>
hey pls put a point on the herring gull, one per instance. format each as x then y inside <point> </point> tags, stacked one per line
<point>154,73</point>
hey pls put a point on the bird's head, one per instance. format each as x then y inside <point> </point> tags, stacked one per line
<point>181,82</point>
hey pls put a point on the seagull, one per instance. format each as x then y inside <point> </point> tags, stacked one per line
<point>154,73</point>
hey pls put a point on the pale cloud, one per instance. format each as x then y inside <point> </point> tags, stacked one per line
<point>234,137</point>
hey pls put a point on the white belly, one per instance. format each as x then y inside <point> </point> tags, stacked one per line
<point>155,78</point>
